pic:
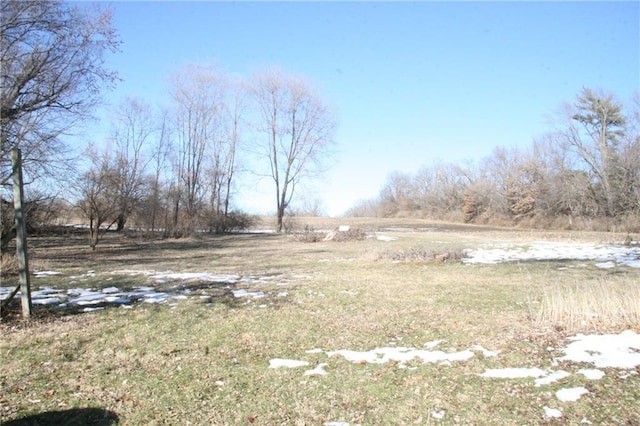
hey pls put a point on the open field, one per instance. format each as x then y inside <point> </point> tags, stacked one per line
<point>392,329</point>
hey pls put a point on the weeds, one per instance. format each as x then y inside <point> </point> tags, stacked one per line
<point>424,254</point>
<point>590,305</point>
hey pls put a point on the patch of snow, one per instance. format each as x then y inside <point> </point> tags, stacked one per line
<point>432,344</point>
<point>318,371</point>
<point>552,377</point>
<point>552,413</point>
<point>627,375</point>
<point>386,238</point>
<point>244,293</point>
<point>605,350</point>
<point>592,373</point>
<point>438,414</point>
<point>195,276</point>
<point>46,301</point>
<point>400,355</point>
<point>288,363</point>
<point>513,373</point>
<point>606,265</point>
<point>485,352</point>
<point>315,351</point>
<point>40,274</point>
<point>571,394</point>
<point>606,256</point>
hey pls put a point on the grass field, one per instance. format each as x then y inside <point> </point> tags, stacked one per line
<point>205,358</point>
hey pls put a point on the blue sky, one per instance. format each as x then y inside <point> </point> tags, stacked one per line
<point>411,82</point>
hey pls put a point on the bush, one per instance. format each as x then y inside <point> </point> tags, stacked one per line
<point>232,222</point>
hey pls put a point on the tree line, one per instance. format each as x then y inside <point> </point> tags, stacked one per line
<point>584,173</point>
<point>176,169</point>
<point>172,168</point>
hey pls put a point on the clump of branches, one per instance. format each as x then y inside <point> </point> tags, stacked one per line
<point>353,234</point>
<point>310,235</point>
<point>232,222</point>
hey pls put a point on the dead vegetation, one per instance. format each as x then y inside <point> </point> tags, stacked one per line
<point>603,303</point>
<point>423,254</point>
<point>358,295</point>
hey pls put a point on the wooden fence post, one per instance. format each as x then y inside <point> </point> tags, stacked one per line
<point>21,232</point>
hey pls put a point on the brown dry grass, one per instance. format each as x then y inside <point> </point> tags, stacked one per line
<point>208,363</point>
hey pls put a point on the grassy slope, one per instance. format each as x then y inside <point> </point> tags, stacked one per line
<point>208,364</point>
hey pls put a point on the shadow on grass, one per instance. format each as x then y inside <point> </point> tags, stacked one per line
<point>123,251</point>
<point>71,417</point>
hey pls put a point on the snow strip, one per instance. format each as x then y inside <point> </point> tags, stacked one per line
<point>485,352</point>
<point>318,371</point>
<point>288,363</point>
<point>513,373</point>
<point>605,255</point>
<point>552,377</point>
<point>400,355</point>
<point>571,394</point>
<point>40,274</point>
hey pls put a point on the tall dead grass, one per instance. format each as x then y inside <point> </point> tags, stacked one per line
<point>600,305</point>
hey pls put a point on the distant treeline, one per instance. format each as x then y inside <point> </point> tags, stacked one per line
<point>584,174</point>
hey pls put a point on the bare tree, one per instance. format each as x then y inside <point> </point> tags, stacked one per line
<point>397,195</point>
<point>98,190</point>
<point>198,99</point>
<point>223,153</point>
<point>133,128</point>
<point>296,129</point>
<point>52,69</point>
<point>159,158</point>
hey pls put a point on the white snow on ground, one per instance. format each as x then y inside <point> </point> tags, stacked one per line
<point>605,350</point>
<point>432,344</point>
<point>192,276</point>
<point>605,255</point>
<point>438,414</point>
<point>40,274</point>
<point>610,350</point>
<point>244,293</point>
<point>552,413</point>
<point>485,352</point>
<point>95,299</point>
<point>400,355</point>
<point>385,238</point>
<point>288,363</point>
<point>513,373</point>
<point>552,377</point>
<point>318,371</point>
<point>592,373</point>
<point>571,394</point>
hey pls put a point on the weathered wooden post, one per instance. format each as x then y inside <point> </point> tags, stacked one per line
<point>21,232</point>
